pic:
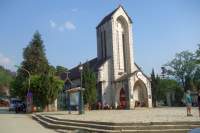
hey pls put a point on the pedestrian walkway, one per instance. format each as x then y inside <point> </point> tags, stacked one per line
<point>19,123</point>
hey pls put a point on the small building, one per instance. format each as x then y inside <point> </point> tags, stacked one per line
<point>120,81</point>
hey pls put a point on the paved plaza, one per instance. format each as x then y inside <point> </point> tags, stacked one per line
<point>19,123</point>
<point>22,123</point>
<point>139,115</point>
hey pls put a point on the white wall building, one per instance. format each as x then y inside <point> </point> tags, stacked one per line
<point>120,82</point>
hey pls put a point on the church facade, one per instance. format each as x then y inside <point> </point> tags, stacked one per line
<point>120,82</point>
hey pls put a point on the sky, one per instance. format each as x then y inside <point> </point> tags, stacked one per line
<point>161,28</point>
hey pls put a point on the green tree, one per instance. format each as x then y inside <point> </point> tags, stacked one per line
<point>52,70</point>
<point>45,89</point>
<point>196,77</point>
<point>60,70</point>
<point>6,77</point>
<point>19,87</point>
<point>165,86</point>
<point>89,83</point>
<point>154,86</point>
<point>44,84</point>
<point>34,56</point>
<point>35,61</point>
<point>197,53</point>
<point>182,68</point>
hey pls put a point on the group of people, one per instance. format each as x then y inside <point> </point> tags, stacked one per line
<point>103,106</point>
<point>188,101</point>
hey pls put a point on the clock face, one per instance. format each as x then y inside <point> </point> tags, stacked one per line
<point>139,75</point>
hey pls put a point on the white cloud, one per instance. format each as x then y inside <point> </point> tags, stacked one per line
<point>4,60</point>
<point>69,25</point>
<point>52,24</point>
<point>74,10</point>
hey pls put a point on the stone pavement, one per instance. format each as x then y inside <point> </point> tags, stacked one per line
<point>19,123</point>
<point>139,115</point>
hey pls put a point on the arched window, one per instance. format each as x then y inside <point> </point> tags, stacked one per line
<point>120,46</point>
<point>121,37</point>
<point>103,45</point>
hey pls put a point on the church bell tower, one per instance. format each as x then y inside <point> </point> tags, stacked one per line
<point>114,41</point>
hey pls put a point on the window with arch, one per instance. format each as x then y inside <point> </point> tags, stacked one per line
<point>103,45</point>
<point>121,30</point>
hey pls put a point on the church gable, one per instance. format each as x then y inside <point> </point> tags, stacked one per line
<point>140,70</point>
<point>110,15</point>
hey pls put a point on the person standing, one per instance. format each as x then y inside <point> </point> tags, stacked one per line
<point>188,103</point>
<point>199,102</point>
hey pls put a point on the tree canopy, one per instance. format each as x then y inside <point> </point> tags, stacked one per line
<point>44,84</point>
<point>6,77</point>
<point>197,54</point>
<point>60,70</point>
<point>182,68</point>
<point>154,87</point>
<point>45,89</point>
<point>89,83</point>
<point>34,56</point>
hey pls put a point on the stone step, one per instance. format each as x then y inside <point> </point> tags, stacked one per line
<point>90,127</point>
<point>115,127</point>
<point>129,131</point>
<point>158,127</point>
<point>158,131</point>
<point>129,124</point>
<point>67,127</point>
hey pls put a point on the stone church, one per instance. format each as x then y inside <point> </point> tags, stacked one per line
<point>120,82</point>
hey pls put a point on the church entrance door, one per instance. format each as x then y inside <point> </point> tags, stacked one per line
<point>140,94</point>
<point>122,99</point>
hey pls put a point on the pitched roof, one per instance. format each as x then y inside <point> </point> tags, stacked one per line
<point>75,73</point>
<point>139,68</point>
<point>94,65</point>
<point>109,16</point>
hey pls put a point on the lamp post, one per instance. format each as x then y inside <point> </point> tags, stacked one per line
<point>68,93</point>
<point>81,104</point>
<point>29,102</point>
<point>29,75</point>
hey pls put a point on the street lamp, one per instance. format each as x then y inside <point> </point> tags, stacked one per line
<point>81,104</point>
<point>29,95</point>
<point>29,75</point>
